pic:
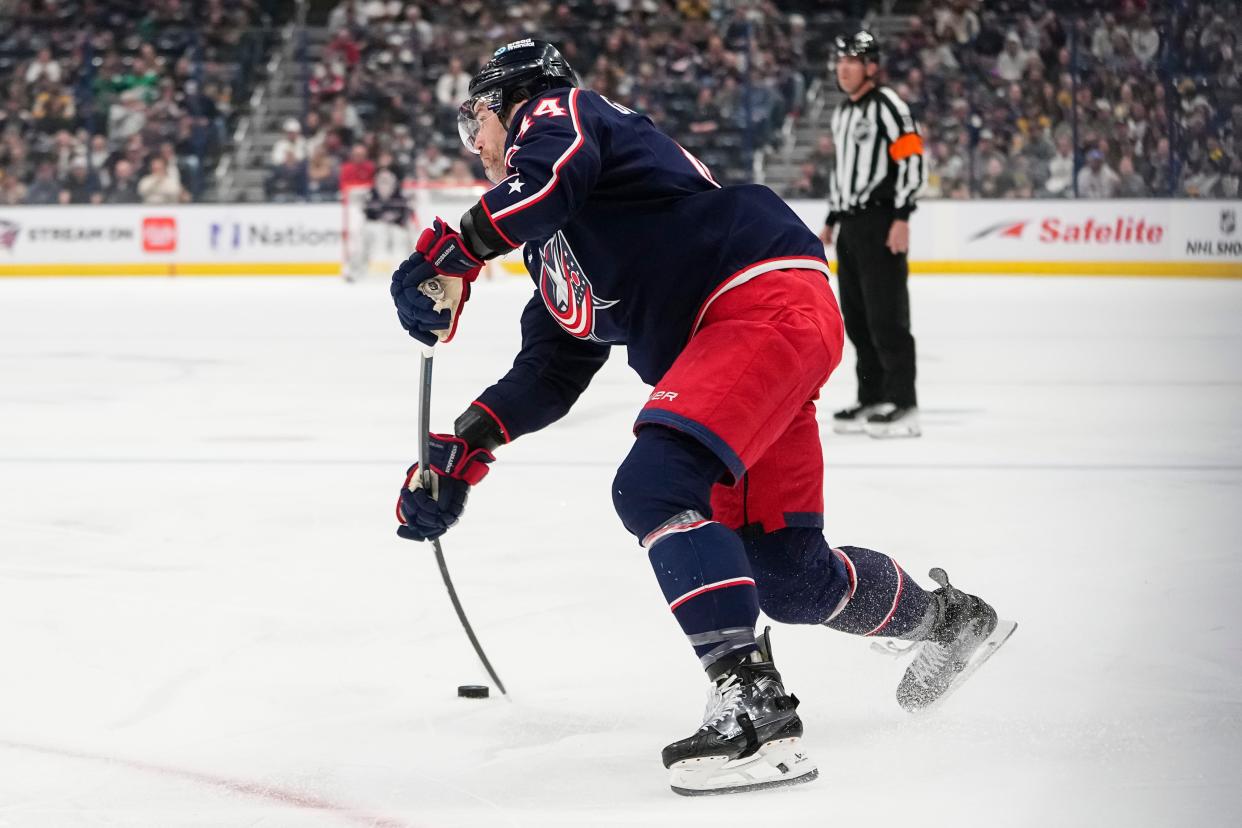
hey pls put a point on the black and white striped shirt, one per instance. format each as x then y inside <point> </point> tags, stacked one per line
<point>879,156</point>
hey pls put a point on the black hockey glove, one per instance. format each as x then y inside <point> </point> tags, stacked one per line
<point>455,467</point>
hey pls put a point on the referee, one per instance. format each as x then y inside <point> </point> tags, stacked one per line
<point>879,169</point>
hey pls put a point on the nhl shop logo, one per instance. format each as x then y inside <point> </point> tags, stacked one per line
<point>1228,221</point>
<point>566,291</point>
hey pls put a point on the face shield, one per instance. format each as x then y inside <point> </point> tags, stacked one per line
<point>468,114</point>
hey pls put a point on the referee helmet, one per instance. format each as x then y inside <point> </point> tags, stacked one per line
<point>861,44</point>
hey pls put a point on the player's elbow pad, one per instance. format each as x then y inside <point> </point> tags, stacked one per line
<point>483,239</point>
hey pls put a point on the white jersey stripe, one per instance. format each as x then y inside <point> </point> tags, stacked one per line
<point>851,150</point>
<point>866,151</point>
<point>698,165</point>
<point>903,109</point>
<point>755,270</point>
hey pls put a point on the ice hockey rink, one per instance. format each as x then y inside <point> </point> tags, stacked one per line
<point>206,618</point>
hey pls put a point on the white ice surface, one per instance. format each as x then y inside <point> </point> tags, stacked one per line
<point>206,619</point>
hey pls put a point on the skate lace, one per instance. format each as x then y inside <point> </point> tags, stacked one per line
<point>929,661</point>
<point>721,701</point>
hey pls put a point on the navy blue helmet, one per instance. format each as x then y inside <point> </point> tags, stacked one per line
<point>517,70</point>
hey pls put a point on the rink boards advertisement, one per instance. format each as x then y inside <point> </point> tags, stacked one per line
<point>171,240</point>
<point>1059,237</point>
<point>1107,238</point>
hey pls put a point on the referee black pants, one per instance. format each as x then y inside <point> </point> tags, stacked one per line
<point>875,301</point>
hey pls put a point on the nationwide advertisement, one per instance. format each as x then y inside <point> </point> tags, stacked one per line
<point>188,240</point>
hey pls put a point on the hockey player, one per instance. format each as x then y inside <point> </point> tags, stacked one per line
<point>386,225</point>
<point>721,295</point>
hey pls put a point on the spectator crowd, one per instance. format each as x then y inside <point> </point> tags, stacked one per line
<point>1120,99</point>
<point>107,101</point>
<point>384,90</point>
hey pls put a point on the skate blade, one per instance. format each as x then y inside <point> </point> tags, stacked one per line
<point>894,433</point>
<point>848,427</point>
<point>1004,629</point>
<point>776,764</point>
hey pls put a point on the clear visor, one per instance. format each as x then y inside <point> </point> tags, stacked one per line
<point>471,113</point>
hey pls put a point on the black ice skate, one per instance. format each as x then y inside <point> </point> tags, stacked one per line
<point>887,421</point>
<point>852,420</point>
<point>964,634</point>
<point>751,735</point>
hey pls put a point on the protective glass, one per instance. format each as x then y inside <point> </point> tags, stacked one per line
<point>468,123</point>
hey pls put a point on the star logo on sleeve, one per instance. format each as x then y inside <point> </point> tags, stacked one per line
<point>516,185</point>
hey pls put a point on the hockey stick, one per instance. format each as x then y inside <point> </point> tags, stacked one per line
<point>424,451</point>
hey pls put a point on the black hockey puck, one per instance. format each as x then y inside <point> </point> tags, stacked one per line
<point>473,691</point>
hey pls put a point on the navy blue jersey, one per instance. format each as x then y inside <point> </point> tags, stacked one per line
<point>392,210</point>
<point>627,237</point>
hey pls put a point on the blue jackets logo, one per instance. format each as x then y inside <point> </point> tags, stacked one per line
<point>566,290</point>
<point>8,234</point>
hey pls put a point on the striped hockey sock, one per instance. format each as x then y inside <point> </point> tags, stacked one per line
<point>705,576</point>
<point>882,599</point>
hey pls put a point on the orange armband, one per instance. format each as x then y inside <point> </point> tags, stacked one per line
<point>905,146</point>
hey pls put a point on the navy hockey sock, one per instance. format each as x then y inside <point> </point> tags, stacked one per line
<point>882,598</point>
<point>799,580</point>
<point>706,579</point>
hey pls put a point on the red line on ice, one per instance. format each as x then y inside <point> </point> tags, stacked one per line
<point>259,790</point>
